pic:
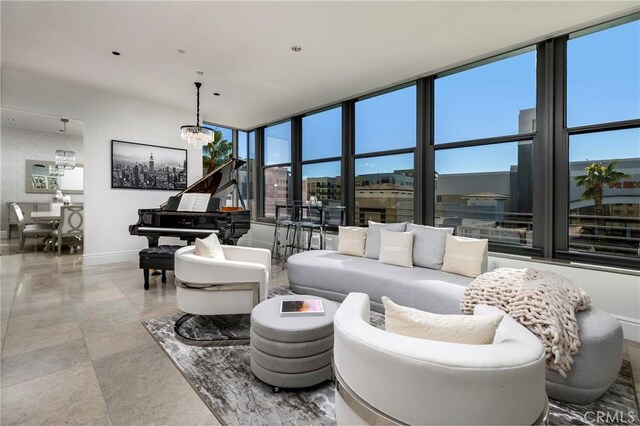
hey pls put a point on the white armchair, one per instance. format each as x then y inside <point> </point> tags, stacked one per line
<point>387,378</point>
<point>207,286</point>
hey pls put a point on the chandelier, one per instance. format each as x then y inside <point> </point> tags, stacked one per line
<point>197,135</point>
<point>65,159</point>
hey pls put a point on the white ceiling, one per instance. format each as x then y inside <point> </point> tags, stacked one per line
<point>244,48</point>
<point>38,122</point>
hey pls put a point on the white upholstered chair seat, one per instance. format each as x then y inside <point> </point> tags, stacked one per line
<point>26,230</point>
<point>419,381</point>
<point>207,286</point>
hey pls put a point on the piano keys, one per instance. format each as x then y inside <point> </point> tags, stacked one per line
<point>229,222</point>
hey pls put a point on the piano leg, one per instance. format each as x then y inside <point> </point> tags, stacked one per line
<point>153,240</point>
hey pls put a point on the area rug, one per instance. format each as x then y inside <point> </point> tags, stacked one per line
<point>223,379</point>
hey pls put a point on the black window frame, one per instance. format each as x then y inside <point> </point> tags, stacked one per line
<point>562,134</point>
<point>550,153</point>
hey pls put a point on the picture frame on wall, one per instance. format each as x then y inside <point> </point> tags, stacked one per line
<point>143,166</point>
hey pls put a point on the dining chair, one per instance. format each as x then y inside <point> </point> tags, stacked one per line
<point>25,230</point>
<point>71,226</point>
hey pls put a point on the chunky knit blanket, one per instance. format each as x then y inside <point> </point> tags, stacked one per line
<point>544,302</point>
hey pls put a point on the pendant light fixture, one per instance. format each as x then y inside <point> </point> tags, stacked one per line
<point>65,159</point>
<point>197,135</point>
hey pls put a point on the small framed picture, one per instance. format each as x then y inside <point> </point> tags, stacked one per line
<point>39,182</point>
<point>52,182</point>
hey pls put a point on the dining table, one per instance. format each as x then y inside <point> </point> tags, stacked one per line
<point>46,216</point>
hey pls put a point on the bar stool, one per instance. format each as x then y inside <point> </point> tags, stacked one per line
<point>311,220</point>
<point>282,220</point>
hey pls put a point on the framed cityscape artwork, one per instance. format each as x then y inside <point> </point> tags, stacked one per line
<point>140,166</point>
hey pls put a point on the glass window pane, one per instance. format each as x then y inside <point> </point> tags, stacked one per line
<point>277,181</point>
<point>384,189</point>
<point>251,164</point>
<point>243,172</point>
<point>387,121</point>
<point>242,144</point>
<point>223,149</point>
<point>227,133</point>
<point>603,70</point>
<point>604,192</point>
<point>322,135</point>
<point>252,145</point>
<point>323,181</point>
<point>487,192</point>
<point>495,99</point>
<point>277,144</point>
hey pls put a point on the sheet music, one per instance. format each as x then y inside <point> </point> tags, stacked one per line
<point>194,203</point>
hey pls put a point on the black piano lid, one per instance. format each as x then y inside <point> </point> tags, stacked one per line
<point>215,183</point>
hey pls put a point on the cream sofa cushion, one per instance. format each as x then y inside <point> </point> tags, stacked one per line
<point>464,256</point>
<point>209,247</point>
<point>468,329</point>
<point>396,248</point>
<point>372,247</point>
<point>351,240</point>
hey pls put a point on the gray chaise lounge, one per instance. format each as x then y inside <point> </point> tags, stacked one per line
<point>333,276</point>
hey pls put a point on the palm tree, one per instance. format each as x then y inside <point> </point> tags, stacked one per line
<point>597,176</point>
<point>216,152</point>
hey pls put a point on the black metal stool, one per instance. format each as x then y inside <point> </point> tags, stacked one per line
<point>159,257</point>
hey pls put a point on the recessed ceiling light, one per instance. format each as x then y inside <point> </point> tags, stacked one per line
<point>216,94</point>
<point>199,73</point>
<point>182,51</point>
<point>296,48</point>
<point>115,53</point>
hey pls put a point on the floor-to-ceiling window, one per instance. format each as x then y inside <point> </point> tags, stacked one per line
<point>485,123</point>
<point>537,150</point>
<point>321,156</point>
<point>603,136</point>
<point>385,141</point>
<point>276,167</point>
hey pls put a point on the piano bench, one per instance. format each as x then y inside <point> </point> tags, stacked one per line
<point>159,257</point>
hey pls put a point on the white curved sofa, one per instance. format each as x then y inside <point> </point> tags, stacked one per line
<point>332,275</point>
<point>416,381</point>
<point>199,280</point>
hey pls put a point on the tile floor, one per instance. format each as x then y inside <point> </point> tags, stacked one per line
<point>74,351</point>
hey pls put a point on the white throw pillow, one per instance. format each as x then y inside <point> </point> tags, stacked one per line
<point>209,247</point>
<point>464,256</point>
<point>396,248</point>
<point>468,329</point>
<point>351,240</point>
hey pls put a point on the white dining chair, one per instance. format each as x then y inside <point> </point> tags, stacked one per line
<point>25,230</point>
<point>71,226</point>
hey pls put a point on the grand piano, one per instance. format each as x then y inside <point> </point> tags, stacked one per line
<point>171,219</point>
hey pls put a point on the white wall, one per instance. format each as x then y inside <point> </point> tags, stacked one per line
<point>19,145</point>
<point>109,212</point>
<point>616,293</point>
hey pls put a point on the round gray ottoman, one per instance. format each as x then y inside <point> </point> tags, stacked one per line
<point>291,352</point>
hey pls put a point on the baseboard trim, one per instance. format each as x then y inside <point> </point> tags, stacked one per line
<point>630,327</point>
<point>111,257</point>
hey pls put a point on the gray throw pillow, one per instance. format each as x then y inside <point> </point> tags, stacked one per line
<point>428,245</point>
<point>372,249</point>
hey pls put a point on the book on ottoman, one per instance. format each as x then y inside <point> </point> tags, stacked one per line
<point>301,308</point>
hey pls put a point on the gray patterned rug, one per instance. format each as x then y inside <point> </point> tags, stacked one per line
<point>223,379</point>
